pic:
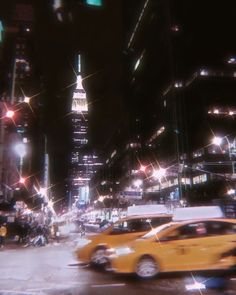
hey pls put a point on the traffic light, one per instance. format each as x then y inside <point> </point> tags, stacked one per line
<point>94,2</point>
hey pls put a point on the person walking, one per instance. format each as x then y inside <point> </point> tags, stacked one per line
<point>3,233</point>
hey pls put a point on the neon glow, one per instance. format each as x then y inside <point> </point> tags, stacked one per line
<point>1,30</point>
<point>94,2</point>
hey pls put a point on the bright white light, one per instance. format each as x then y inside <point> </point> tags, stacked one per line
<point>138,182</point>
<point>142,168</point>
<point>195,286</point>
<point>231,192</point>
<point>216,111</point>
<point>217,140</point>
<point>10,114</point>
<point>26,99</point>
<point>178,84</point>
<point>42,191</point>
<point>123,251</point>
<point>20,149</point>
<point>232,60</point>
<point>22,180</point>
<point>204,72</point>
<point>101,198</point>
<point>50,204</point>
<point>231,113</point>
<point>175,28</point>
<point>158,174</point>
<point>137,64</point>
<point>57,4</point>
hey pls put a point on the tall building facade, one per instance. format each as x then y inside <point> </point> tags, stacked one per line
<point>81,160</point>
<point>173,77</point>
<point>17,115</point>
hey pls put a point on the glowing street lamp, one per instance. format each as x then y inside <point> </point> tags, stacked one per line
<point>10,114</point>
<point>219,140</point>
<point>142,168</point>
<point>42,191</point>
<point>20,150</point>
<point>159,173</point>
<point>138,182</point>
<point>26,99</point>
<point>231,192</point>
<point>22,180</point>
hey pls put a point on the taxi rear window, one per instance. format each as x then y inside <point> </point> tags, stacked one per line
<point>139,224</point>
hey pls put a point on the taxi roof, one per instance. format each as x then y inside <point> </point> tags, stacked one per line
<point>147,210</point>
<point>146,216</point>
<point>199,212</point>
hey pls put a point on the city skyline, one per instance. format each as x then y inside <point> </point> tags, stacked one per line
<point>123,75</point>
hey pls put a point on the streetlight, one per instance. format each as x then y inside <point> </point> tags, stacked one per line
<point>10,114</point>
<point>27,99</point>
<point>159,173</point>
<point>219,140</point>
<point>20,150</point>
<point>138,182</point>
<point>142,168</point>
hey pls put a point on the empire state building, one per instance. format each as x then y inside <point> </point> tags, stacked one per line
<point>81,165</point>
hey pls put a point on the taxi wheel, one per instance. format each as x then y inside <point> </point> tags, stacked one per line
<point>98,256</point>
<point>147,268</point>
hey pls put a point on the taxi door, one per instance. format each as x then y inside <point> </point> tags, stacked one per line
<point>186,249</point>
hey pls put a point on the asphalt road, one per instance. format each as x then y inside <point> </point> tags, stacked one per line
<point>50,270</point>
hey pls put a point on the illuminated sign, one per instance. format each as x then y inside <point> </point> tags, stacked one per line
<point>1,31</point>
<point>94,2</point>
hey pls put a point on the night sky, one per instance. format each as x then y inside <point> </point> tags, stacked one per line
<point>96,35</point>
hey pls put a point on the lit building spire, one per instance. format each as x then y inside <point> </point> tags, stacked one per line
<point>79,64</point>
<point>79,102</point>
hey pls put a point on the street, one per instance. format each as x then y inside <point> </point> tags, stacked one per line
<point>52,270</point>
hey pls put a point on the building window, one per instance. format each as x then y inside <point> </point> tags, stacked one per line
<point>200,178</point>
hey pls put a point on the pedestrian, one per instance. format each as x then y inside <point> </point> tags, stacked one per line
<point>3,233</point>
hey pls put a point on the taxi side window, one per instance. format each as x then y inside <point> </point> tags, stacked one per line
<point>221,228</point>
<point>127,226</point>
<point>173,235</point>
<point>119,228</point>
<point>154,222</point>
<point>193,230</point>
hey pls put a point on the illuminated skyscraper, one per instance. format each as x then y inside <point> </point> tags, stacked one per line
<point>17,86</point>
<point>81,164</point>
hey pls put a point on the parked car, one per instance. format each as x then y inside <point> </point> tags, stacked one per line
<point>92,249</point>
<point>178,246</point>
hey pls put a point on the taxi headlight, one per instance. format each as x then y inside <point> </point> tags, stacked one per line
<point>123,251</point>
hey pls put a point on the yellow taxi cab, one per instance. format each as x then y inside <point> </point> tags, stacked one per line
<point>92,249</point>
<point>178,246</point>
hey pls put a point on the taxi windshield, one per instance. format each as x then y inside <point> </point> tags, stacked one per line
<point>157,230</point>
